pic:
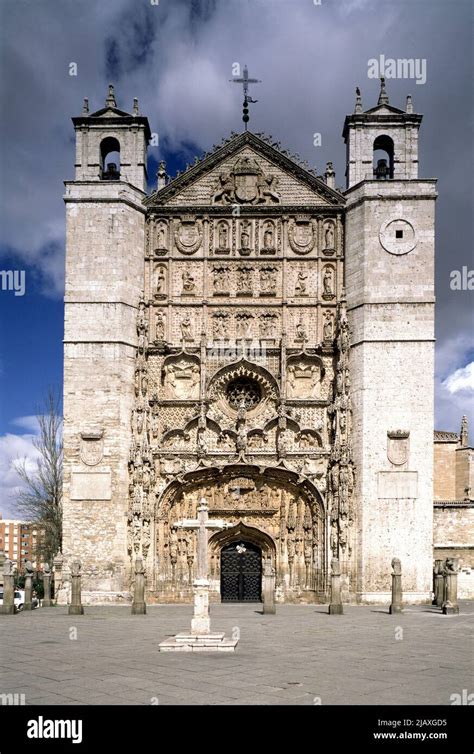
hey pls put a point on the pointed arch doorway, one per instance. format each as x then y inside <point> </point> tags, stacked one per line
<point>241,572</point>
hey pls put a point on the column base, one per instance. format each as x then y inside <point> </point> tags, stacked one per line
<point>138,608</point>
<point>336,610</point>
<point>75,610</point>
<point>395,609</point>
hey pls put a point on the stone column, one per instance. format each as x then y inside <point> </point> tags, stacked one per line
<point>335,606</point>
<point>47,585</point>
<point>450,605</point>
<point>201,622</point>
<point>8,607</point>
<point>28,584</point>
<point>438,586</point>
<point>75,608</point>
<point>268,588</point>
<point>138,604</point>
<point>397,596</point>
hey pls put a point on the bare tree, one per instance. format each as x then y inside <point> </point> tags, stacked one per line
<point>40,501</point>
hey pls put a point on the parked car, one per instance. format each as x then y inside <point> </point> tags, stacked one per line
<point>19,600</point>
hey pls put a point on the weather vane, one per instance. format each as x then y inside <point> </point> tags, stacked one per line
<point>245,81</point>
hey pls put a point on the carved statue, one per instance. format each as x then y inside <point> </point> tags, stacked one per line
<point>221,282</point>
<point>223,236</point>
<point>160,281</point>
<point>329,237</point>
<point>186,328</point>
<point>328,327</point>
<point>268,240</point>
<point>300,285</point>
<point>245,236</point>
<point>396,566</point>
<point>225,190</point>
<point>300,331</point>
<point>160,326</point>
<point>76,568</point>
<point>161,236</point>
<point>189,284</point>
<point>328,281</point>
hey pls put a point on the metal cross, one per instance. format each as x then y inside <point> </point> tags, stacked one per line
<point>245,81</point>
<point>203,524</point>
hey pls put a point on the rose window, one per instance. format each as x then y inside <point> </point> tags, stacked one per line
<point>243,392</point>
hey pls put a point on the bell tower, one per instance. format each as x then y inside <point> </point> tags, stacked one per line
<point>389,248</point>
<point>105,226</point>
<point>382,142</point>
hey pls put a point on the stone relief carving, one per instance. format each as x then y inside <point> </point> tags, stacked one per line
<point>328,282</point>
<point>302,234</point>
<point>160,282</point>
<point>188,235</point>
<point>188,283</point>
<point>328,235</point>
<point>245,237</point>
<point>220,280</point>
<point>186,328</point>
<point>244,280</point>
<point>304,377</point>
<point>246,183</point>
<point>161,230</point>
<point>301,283</point>
<point>181,378</point>
<point>160,326</point>
<point>223,237</point>
<point>398,447</point>
<point>268,281</point>
<point>92,447</point>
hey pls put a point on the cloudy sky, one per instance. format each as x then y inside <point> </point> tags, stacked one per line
<point>177,56</point>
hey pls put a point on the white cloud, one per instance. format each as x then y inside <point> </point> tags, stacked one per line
<point>14,448</point>
<point>26,422</point>
<point>461,380</point>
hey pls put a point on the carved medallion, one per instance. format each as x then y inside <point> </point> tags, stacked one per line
<point>188,235</point>
<point>301,235</point>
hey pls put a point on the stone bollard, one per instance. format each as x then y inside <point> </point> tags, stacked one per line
<point>75,608</point>
<point>28,584</point>
<point>438,586</point>
<point>268,588</point>
<point>397,596</point>
<point>335,607</point>
<point>58,563</point>
<point>138,604</point>
<point>8,607</point>
<point>47,585</point>
<point>450,605</point>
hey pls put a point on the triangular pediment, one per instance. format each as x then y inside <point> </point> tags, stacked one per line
<point>384,110</point>
<point>246,170</point>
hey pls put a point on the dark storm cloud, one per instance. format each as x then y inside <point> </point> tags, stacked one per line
<point>177,58</point>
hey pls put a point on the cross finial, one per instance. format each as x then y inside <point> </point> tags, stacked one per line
<point>245,81</point>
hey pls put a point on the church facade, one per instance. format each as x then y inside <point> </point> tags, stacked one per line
<point>250,335</point>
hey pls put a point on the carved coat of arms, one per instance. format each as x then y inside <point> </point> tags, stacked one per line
<point>92,448</point>
<point>246,184</point>
<point>397,447</point>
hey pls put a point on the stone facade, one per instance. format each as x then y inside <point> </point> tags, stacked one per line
<point>453,528</point>
<point>251,335</point>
